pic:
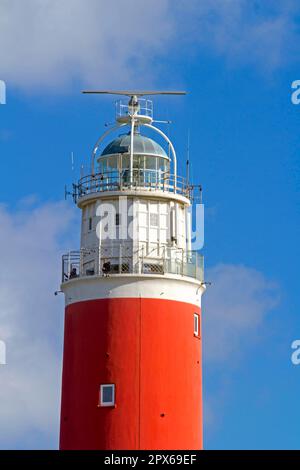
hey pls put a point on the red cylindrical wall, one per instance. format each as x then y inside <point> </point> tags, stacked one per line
<point>147,348</point>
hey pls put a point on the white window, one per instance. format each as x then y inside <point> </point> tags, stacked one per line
<point>107,395</point>
<point>196,324</point>
<point>153,220</point>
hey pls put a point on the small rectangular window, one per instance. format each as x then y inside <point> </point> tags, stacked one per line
<point>107,395</point>
<point>118,219</point>
<point>196,325</point>
<point>90,223</point>
<point>153,220</point>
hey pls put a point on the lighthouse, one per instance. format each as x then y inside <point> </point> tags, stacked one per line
<point>132,367</point>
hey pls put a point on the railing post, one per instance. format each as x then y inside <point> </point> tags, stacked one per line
<point>99,259</point>
<point>141,263</point>
<point>69,264</point>
<point>96,257</point>
<point>120,259</point>
<point>131,149</point>
<point>202,268</point>
<point>80,263</point>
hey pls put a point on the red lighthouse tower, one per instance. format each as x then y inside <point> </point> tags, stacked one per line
<point>132,343</point>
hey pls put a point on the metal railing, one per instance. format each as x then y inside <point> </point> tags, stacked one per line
<point>145,108</point>
<point>120,259</point>
<point>141,179</point>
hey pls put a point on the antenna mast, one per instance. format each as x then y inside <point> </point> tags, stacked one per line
<point>188,159</point>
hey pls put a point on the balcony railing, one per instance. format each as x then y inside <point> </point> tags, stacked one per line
<point>141,179</point>
<point>123,109</point>
<point>120,259</point>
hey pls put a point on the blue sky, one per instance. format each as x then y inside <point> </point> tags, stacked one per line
<point>237,61</point>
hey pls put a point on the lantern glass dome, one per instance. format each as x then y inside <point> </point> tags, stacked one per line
<point>141,145</point>
<point>148,155</point>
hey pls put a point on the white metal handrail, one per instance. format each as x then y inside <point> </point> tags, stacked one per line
<point>141,179</point>
<point>120,259</point>
<point>145,108</point>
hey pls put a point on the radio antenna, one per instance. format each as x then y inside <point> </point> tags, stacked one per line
<point>188,158</point>
<point>72,161</point>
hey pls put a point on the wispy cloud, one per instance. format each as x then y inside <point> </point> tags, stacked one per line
<point>50,43</point>
<point>246,31</point>
<point>31,322</point>
<point>235,311</point>
<point>235,307</point>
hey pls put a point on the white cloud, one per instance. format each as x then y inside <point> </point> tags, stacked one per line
<point>234,309</point>
<point>244,31</point>
<point>54,43</point>
<point>31,322</point>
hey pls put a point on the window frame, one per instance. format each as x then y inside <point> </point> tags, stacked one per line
<point>110,403</point>
<point>197,325</point>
